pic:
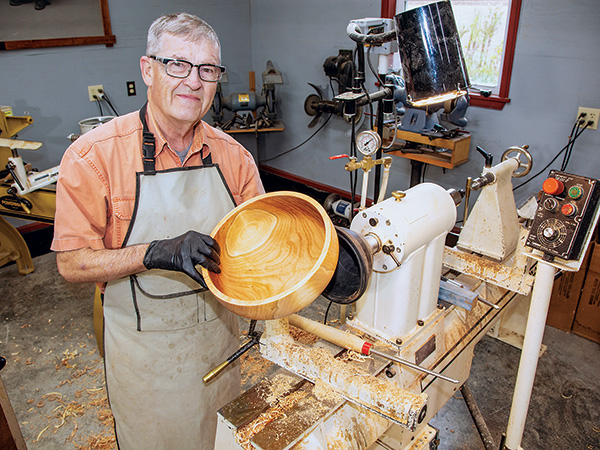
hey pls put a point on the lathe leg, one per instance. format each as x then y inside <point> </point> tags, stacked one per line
<point>536,322</point>
<point>14,248</point>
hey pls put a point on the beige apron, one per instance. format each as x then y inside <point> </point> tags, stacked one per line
<point>162,331</point>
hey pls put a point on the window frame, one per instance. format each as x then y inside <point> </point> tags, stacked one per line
<point>494,101</point>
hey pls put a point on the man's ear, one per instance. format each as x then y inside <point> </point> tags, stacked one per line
<point>146,68</point>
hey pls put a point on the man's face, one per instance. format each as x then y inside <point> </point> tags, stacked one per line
<point>179,101</point>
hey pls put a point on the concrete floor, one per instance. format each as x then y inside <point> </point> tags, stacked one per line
<point>55,377</point>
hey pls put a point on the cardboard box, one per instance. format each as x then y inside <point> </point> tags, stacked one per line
<point>587,318</point>
<point>565,296</point>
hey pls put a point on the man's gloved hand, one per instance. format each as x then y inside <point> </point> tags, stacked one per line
<point>184,252</point>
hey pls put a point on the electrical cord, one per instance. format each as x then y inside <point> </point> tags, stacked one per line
<point>370,63</point>
<point>301,144</point>
<point>104,97</point>
<point>353,174</point>
<point>327,313</point>
<point>571,142</point>
<point>99,105</point>
<point>567,156</point>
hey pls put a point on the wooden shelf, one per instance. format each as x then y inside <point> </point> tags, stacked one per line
<point>278,127</point>
<point>457,153</point>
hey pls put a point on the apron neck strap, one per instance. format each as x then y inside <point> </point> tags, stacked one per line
<point>149,146</point>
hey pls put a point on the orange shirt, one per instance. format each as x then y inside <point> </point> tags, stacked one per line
<point>96,186</point>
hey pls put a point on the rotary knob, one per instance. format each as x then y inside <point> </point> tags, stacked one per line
<point>550,233</point>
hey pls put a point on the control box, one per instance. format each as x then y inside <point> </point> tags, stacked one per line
<point>564,215</point>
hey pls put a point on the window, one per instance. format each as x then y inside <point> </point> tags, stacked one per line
<point>488,30</point>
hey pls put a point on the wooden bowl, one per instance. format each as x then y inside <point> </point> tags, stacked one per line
<point>278,253</point>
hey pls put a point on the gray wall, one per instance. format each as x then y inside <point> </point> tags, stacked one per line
<point>556,69</point>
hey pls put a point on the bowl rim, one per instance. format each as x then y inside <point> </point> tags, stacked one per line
<point>329,232</point>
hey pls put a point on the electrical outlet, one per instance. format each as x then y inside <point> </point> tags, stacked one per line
<point>591,114</point>
<point>95,90</point>
<point>130,88</point>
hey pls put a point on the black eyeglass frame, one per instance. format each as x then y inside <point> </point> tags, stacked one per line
<point>165,61</point>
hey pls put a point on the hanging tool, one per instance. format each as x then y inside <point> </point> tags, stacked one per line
<point>254,339</point>
<point>352,342</point>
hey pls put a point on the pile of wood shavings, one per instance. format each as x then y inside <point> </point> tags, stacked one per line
<point>278,386</point>
<point>254,368</point>
<point>301,336</point>
<point>278,410</point>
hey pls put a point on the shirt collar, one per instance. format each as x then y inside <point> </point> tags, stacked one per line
<point>198,144</point>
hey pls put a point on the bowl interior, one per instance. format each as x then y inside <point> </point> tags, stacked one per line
<point>268,247</point>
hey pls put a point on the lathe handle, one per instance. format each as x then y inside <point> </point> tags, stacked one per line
<point>330,334</point>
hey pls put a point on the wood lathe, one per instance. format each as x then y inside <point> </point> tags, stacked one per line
<point>405,348</point>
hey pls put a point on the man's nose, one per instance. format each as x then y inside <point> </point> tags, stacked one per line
<point>193,80</point>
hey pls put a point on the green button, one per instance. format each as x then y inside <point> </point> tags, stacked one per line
<point>575,192</point>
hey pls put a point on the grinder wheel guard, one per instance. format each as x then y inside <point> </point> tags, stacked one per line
<point>354,268</point>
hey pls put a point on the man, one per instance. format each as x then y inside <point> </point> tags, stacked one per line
<point>136,200</point>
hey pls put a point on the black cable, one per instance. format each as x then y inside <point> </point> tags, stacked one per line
<point>107,100</point>
<point>299,145</point>
<point>577,134</point>
<point>370,63</point>
<point>353,174</point>
<point>371,113</point>
<point>99,105</point>
<point>567,158</point>
<point>326,313</point>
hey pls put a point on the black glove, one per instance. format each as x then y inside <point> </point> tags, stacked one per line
<point>184,252</point>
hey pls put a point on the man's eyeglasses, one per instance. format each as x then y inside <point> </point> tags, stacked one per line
<point>180,68</point>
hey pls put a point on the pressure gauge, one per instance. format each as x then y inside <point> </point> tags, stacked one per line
<point>368,142</point>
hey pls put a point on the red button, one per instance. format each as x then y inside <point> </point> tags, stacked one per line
<point>568,210</point>
<point>552,186</point>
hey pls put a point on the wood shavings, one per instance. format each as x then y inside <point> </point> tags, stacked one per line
<point>254,367</point>
<point>355,384</point>
<point>323,392</point>
<point>278,386</point>
<point>40,434</point>
<point>351,355</point>
<point>244,434</point>
<point>101,442</point>
<point>304,337</point>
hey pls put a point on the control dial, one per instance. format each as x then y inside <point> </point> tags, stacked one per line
<point>552,232</point>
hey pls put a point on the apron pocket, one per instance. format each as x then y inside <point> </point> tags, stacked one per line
<point>166,312</point>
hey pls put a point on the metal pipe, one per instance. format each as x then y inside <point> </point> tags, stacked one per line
<point>482,428</point>
<point>534,333</point>
<point>404,362</point>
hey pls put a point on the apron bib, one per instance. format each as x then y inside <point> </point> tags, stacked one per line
<point>163,332</point>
